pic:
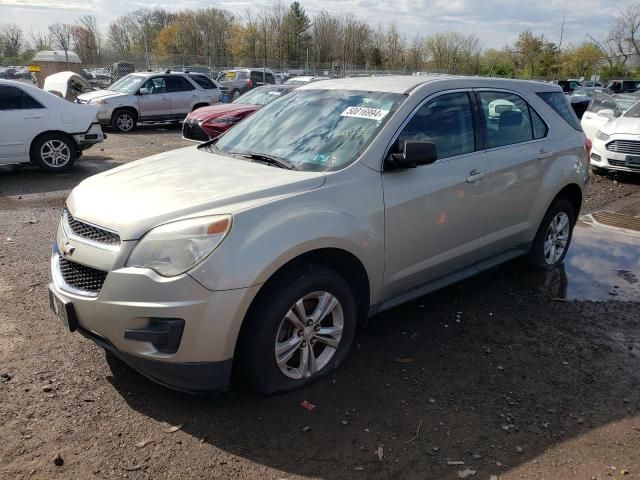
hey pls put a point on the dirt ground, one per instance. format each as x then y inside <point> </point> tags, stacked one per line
<point>508,374</point>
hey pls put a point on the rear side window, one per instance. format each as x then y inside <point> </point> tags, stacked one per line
<point>13,98</point>
<point>507,119</point>
<point>203,81</point>
<point>178,84</point>
<point>558,102</point>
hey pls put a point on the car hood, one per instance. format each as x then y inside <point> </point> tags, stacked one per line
<point>67,85</point>
<point>138,196</point>
<point>100,94</point>
<point>221,110</point>
<point>626,125</point>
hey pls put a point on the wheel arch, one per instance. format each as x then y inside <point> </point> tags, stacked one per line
<point>52,132</point>
<point>130,108</point>
<point>573,193</point>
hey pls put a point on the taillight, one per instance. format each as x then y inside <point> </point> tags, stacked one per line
<point>249,83</point>
<point>587,147</point>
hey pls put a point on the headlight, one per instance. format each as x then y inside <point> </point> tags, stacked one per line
<point>602,136</point>
<point>174,248</point>
<point>223,121</point>
<point>98,102</point>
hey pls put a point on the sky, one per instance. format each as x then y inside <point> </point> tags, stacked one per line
<point>496,22</point>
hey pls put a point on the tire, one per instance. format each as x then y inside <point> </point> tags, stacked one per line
<point>599,171</point>
<point>124,120</point>
<point>235,95</point>
<point>271,321</point>
<point>54,152</point>
<point>549,248</point>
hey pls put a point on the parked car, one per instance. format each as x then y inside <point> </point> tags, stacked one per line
<point>121,69</point>
<point>194,69</point>
<point>304,80</point>
<point>241,80</point>
<point>603,108</point>
<point>624,86</point>
<point>581,98</point>
<point>569,86</point>
<point>260,251</point>
<point>67,85</point>
<point>210,122</point>
<point>616,145</point>
<point>44,129</point>
<point>151,97</point>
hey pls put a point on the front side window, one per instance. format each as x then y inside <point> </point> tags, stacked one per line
<point>156,85</point>
<point>446,121</point>
<point>14,98</point>
<point>314,130</point>
<point>506,117</point>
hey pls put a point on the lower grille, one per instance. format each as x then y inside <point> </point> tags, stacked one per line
<point>622,163</point>
<point>80,276</point>
<point>193,131</point>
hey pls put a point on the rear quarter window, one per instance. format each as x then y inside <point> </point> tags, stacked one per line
<point>559,103</point>
<point>203,81</point>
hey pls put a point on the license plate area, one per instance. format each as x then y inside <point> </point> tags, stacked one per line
<point>64,311</point>
<point>633,161</point>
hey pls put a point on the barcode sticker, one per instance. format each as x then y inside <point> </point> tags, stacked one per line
<point>365,112</point>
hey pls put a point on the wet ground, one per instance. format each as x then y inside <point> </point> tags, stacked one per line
<point>510,373</point>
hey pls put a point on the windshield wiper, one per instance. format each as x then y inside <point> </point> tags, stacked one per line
<point>268,159</point>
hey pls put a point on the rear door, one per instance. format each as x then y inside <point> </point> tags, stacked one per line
<point>435,215</point>
<point>22,117</point>
<point>183,95</point>
<point>156,103</point>
<point>515,141</point>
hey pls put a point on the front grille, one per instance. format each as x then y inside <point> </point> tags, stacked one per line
<point>193,131</point>
<point>91,232</point>
<point>80,276</point>
<point>631,147</point>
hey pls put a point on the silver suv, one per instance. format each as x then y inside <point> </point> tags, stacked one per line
<point>264,249</point>
<point>152,97</point>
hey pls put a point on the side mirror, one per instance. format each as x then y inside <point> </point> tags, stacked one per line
<point>414,155</point>
<point>607,113</point>
<point>143,91</point>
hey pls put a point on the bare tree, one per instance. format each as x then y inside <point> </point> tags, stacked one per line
<point>86,39</point>
<point>39,40</point>
<point>61,34</point>
<point>11,37</point>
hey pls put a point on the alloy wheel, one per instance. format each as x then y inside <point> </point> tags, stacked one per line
<point>309,335</point>
<point>55,153</point>
<point>557,237</point>
<point>124,122</point>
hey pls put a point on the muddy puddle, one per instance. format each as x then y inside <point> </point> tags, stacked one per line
<point>603,264</point>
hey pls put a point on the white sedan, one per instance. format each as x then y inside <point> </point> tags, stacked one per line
<point>39,127</point>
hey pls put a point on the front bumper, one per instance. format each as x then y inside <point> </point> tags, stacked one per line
<point>602,155</point>
<point>134,298</point>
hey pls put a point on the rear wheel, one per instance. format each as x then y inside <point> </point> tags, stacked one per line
<point>554,236</point>
<point>123,120</point>
<point>54,152</point>
<point>299,330</point>
<point>235,95</point>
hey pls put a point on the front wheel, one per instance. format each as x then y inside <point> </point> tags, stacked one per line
<point>299,330</point>
<point>123,121</point>
<point>554,236</point>
<point>54,152</point>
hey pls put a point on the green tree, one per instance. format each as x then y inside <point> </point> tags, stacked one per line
<point>529,49</point>
<point>299,36</point>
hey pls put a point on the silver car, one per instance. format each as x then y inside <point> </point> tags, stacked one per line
<point>262,250</point>
<point>151,97</point>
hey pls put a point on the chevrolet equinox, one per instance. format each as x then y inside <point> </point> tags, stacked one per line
<point>263,249</point>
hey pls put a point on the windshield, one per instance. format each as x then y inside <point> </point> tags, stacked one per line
<point>260,96</point>
<point>633,112</point>
<point>314,130</point>
<point>297,81</point>
<point>127,84</point>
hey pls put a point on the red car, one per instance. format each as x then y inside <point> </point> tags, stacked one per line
<point>207,123</point>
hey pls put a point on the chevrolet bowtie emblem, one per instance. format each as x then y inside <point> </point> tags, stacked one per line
<point>67,249</point>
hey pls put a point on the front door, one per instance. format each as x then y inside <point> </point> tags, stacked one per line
<point>21,118</point>
<point>155,104</point>
<point>435,214</point>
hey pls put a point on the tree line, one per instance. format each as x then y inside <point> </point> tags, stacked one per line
<point>285,36</point>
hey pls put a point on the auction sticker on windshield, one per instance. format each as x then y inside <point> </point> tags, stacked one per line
<point>365,112</point>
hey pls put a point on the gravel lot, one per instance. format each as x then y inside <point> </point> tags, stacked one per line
<point>499,372</point>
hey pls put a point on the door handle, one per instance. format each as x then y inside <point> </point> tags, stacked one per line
<point>475,175</point>
<point>542,155</point>
<point>194,96</point>
<point>29,117</point>
<point>165,98</point>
